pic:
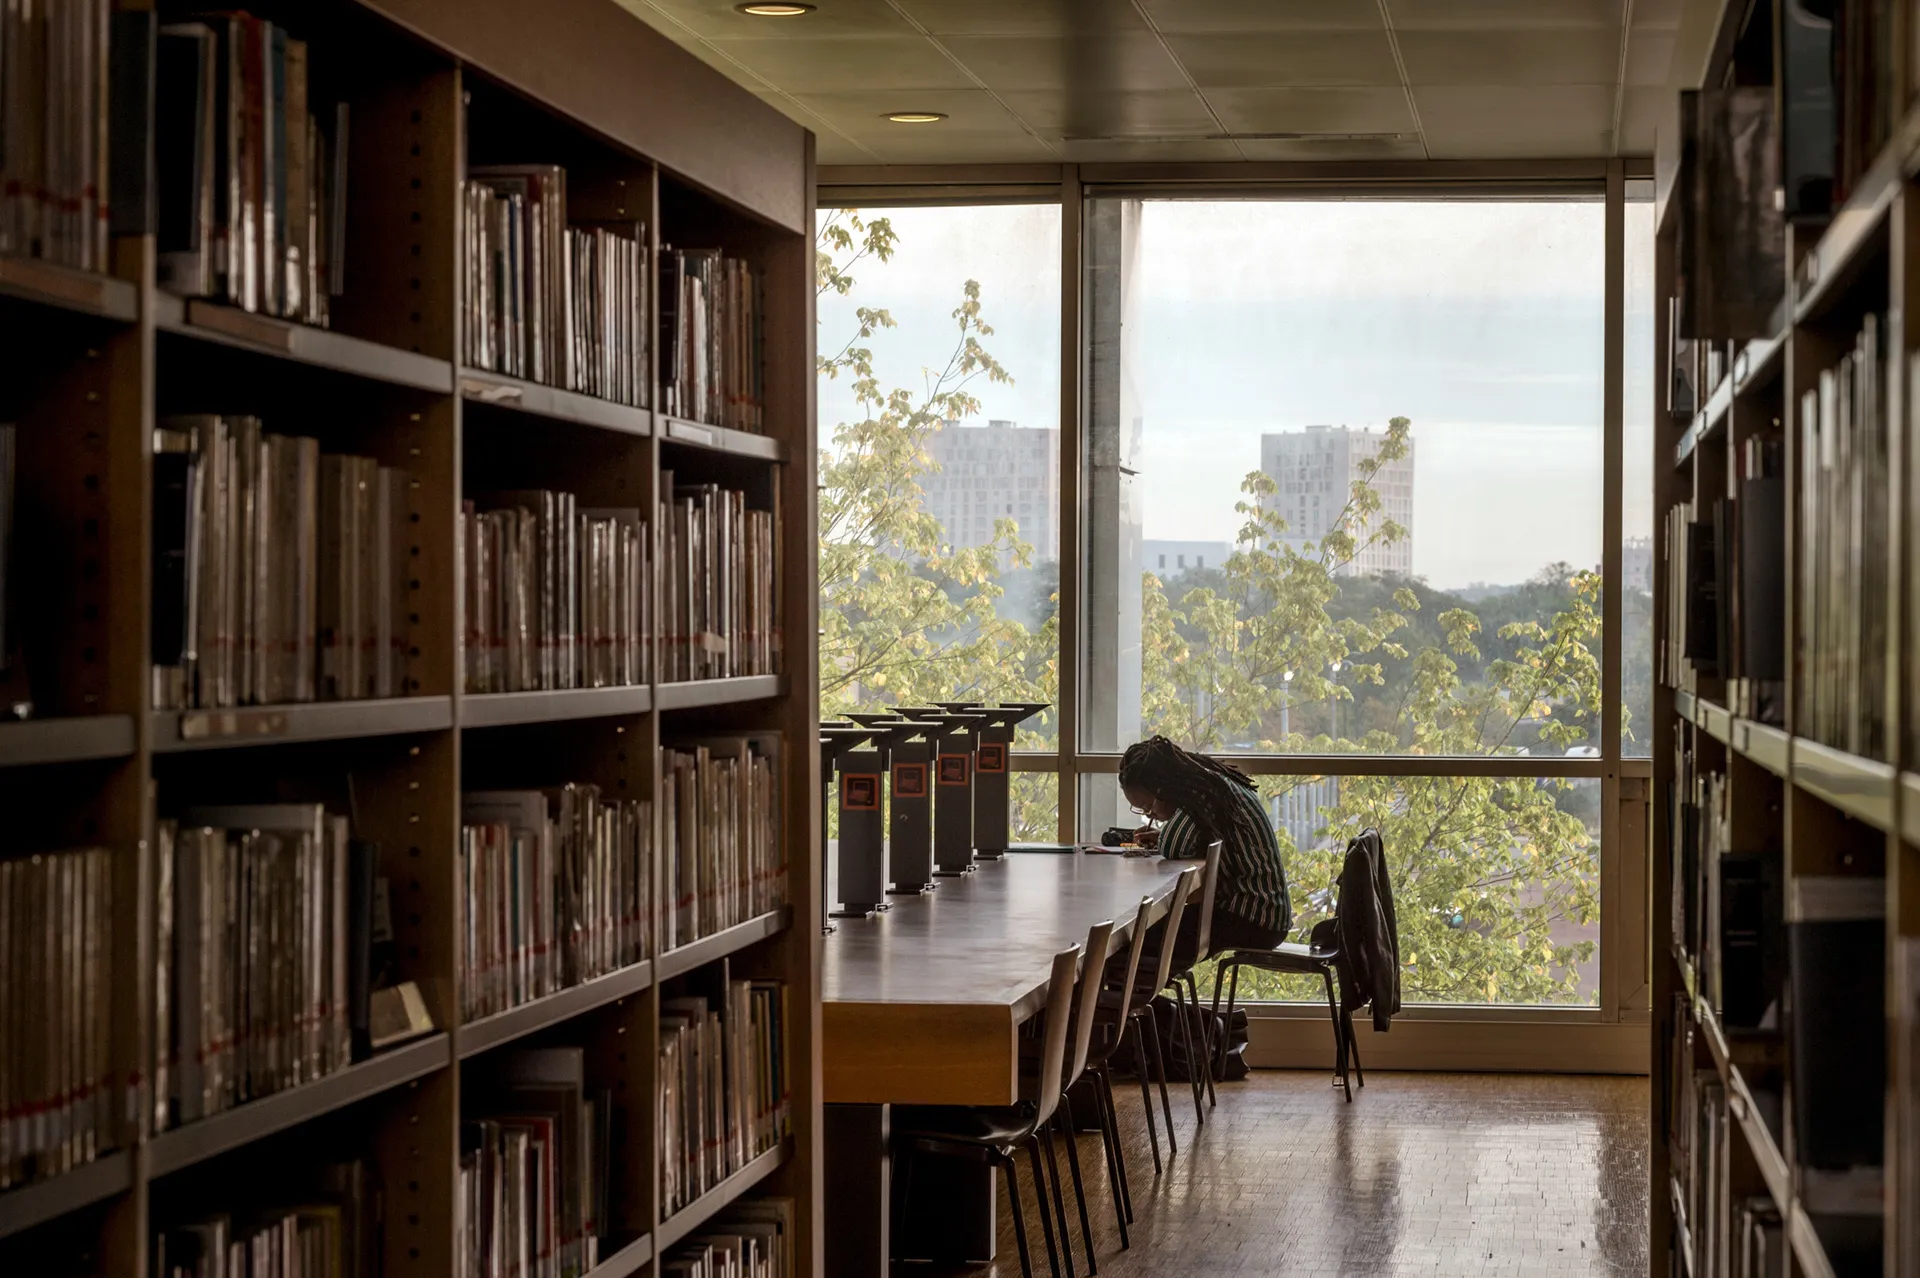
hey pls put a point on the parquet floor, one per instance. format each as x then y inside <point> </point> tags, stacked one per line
<point>1448,1174</point>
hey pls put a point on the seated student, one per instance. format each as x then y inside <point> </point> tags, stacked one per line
<point>1200,800</point>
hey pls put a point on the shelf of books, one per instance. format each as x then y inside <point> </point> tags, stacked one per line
<point>406,475</point>
<point>1787,712</point>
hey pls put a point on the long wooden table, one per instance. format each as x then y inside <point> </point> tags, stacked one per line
<point>923,1004</point>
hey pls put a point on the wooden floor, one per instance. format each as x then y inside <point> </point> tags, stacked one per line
<point>1449,1174</point>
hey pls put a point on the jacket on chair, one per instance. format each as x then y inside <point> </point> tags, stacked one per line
<point>1364,929</point>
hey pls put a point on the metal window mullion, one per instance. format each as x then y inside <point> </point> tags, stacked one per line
<point>1387,765</point>
<point>1072,540</point>
<point>1613,483</point>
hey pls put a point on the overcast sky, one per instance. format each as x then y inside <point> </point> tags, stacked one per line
<point>1481,322</point>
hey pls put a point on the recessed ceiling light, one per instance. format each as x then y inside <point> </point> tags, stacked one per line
<point>770,9</point>
<point>916,117</point>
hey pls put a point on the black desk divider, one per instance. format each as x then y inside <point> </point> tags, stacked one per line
<point>910,751</point>
<point>993,771</point>
<point>837,740</point>
<point>954,747</point>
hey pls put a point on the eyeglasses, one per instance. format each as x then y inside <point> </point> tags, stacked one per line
<point>1139,811</point>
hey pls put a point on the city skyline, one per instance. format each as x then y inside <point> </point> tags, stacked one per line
<point>1500,372</point>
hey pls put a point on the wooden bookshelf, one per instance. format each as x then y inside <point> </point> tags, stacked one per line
<point>1813,809</point>
<point>433,86</point>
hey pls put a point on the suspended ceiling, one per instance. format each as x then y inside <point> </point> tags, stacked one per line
<point>1186,80</point>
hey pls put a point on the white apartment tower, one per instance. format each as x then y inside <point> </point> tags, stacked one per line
<point>999,470</point>
<point>1313,472</point>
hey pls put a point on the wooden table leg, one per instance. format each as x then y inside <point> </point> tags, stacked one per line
<point>858,1176</point>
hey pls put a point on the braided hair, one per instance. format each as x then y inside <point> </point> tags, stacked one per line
<point>1201,787</point>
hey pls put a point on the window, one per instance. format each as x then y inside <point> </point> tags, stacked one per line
<point>1428,375</point>
<point>916,607</point>
<point>1376,425</point>
<point>1431,371</point>
<point>1502,910</point>
<point>1636,514</point>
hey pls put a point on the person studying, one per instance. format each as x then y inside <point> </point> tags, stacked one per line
<point>1199,800</point>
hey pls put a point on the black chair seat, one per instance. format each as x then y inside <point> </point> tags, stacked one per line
<point>964,1124</point>
<point>1284,957</point>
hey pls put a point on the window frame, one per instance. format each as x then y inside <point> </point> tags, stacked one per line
<point>1611,1036</point>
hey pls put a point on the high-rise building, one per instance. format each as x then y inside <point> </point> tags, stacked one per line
<point>1168,559</point>
<point>1636,564</point>
<point>1313,472</point>
<point>1000,470</point>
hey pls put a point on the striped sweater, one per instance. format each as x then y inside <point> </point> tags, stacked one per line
<point>1253,882</point>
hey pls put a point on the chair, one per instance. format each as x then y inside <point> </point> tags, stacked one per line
<point>993,1134</point>
<point>1306,960</point>
<point>1140,1011</point>
<point>1182,982</point>
<point>1086,1001</point>
<point>1303,960</point>
<point>1116,1016</point>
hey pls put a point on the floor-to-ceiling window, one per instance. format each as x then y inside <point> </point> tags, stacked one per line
<point>1331,491</point>
<point>939,415</point>
<point>1344,469</point>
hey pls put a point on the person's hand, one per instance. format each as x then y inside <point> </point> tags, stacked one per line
<point>1147,837</point>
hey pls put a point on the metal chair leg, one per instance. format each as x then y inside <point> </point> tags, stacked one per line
<point>1185,1016</point>
<point>1209,1031</point>
<point>1339,1034</point>
<point>1152,1023</point>
<point>1019,1215</point>
<point>1040,1197</point>
<point>1063,1119</point>
<point>1116,1156</point>
<point>1146,1086</point>
<point>1059,1201</point>
<point>1219,974</point>
<point>1353,1047</point>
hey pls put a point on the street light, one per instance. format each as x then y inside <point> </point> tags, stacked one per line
<point>1286,678</point>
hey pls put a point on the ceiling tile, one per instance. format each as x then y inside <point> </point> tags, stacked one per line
<point>1502,15</point>
<point>1347,149</point>
<point>1189,150</point>
<point>1350,110</point>
<point>1511,57</point>
<point>908,63</point>
<point>1157,112</point>
<point>1657,13</point>
<point>1098,61</point>
<point>1539,122</point>
<point>961,148</point>
<point>1301,58</point>
<point>1199,16</point>
<point>1641,111</point>
<point>1022,17</point>
<point>718,18</point>
<point>1649,55</point>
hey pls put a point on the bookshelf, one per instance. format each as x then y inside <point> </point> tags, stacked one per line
<point>1786,910</point>
<point>649,138</point>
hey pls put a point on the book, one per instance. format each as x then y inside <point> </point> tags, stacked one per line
<point>712,338</point>
<point>1843,591</point>
<point>724,1094</point>
<point>256,941</point>
<point>546,1095</point>
<point>332,1230</point>
<point>278,570</point>
<point>556,597</point>
<point>719,583</point>
<point>556,886</point>
<point>57,1084</point>
<point>553,301</point>
<point>250,180</point>
<point>55,148</point>
<point>722,860</point>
